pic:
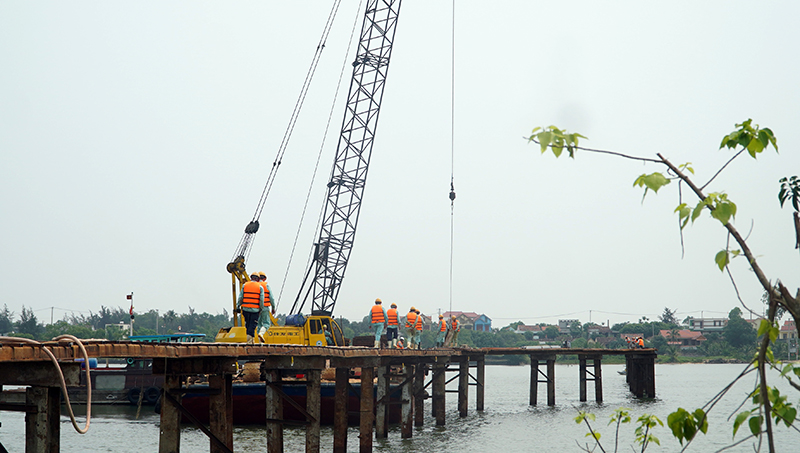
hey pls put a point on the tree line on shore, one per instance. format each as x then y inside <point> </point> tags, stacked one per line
<point>736,340</point>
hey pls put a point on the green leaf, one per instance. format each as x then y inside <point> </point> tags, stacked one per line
<point>697,210</point>
<point>789,415</point>
<point>699,414</point>
<point>544,140</point>
<point>739,420</point>
<point>722,259</point>
<point>764,327</point>
<point>755,425</point>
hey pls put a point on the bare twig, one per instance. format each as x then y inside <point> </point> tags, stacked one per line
<point>722,168</point>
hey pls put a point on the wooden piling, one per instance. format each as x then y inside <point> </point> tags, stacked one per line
<point>407,397</point>
<point>43,426</point>
<point>380,404</point>
<point>419,394</point>
<point>463,387</point>
<point>340,410</point>
<point>367,417</point>
<point>439,393</point>
<point>274,412</point>
<point>582,378</point>
<point>551,381</point>
<point>313,402</point>
<point>170,429</point>
<point>534,383</point>
<point>220,411</point>
<point>598,381</point>
<point>480,376</point>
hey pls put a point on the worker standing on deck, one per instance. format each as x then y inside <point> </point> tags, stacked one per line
<point>251,304</point>
<point>442,332</point>
<point>378,317</point>
<point>454,329</point>
<point>264,320</point>
<point>391,326</point>
<point>418,332</point>
<point>411,327</point>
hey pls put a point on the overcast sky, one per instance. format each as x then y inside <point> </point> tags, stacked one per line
<point>136,137</point>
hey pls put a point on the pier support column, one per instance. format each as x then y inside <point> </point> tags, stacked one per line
<point>534,384</point>
<point>582,378</point>
<point>366,415</point>
<point>407,397</point>
<point>439,379</point>
<point>598,381</point>
<point>340,410</point>
<point>480,376</point>
<point>551,381</point>
<point>274,412</point>
<point>463,387</point>
<point>43,427</point>
<point>220,410</point>
<point>313,402</point>
<point>170,430</point>
<point>381,425</point>
<point>419,394</point>
<point>641,374</point>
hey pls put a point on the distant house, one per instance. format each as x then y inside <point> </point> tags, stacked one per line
<point>522,328</point>
<point>756,323</point>
<point>686,339</point>
<point>471,320</point>
<point>565,324</point>
<point>595,330</point>
<point>788,332</point>
<point>706,325</point>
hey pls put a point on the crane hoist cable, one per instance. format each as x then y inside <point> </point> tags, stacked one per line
<point>243,249</point>
<point>345,63</point>
<point>452,142</point>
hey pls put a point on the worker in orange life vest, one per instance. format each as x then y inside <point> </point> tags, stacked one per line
<point>640,342</point>
<point>391,326</point>
<point>418,332</point>
<point>411,327</point>
<point>454,329</point>
<point>264,320</point>
<point>442,332</point>
<point>250,304</point>
<point>378,321</point>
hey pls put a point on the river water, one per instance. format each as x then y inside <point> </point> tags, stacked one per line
<point>507,422</point>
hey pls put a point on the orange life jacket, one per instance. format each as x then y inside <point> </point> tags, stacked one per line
<point>442,325</point>
<point>251,294</point>
<point>641,342</point>
<point>419,322</point>
<point>411,319</point>
<point>267,299</point>
<point>377,314</point>
<point>454,324</point>
<point>392,315</point>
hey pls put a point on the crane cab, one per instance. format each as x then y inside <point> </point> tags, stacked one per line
<point>299,330</point>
